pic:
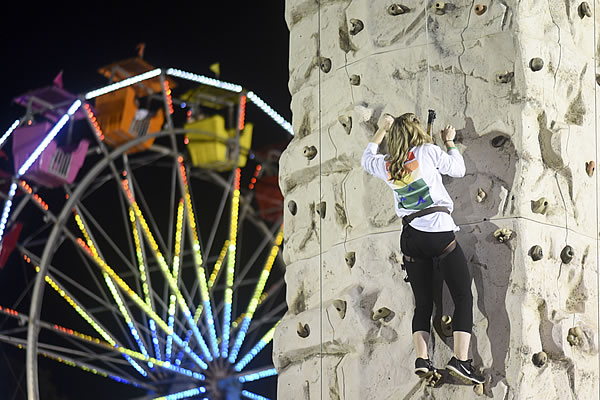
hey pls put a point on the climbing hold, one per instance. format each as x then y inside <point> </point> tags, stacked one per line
<point>292,207</point>
<point>382,313</point>
<point>575,336</point>
<point>303,330</point>
<point>584,10</point>
<point>340,307</point>
<point>325,64</point>
<point>540,359</point>
<point>590,167</point>
<point>499,141</point>
<point>536,64</point>
<point>310,152</point>
<point>478,389</point>
<point>397,9</point>
<point>503,235</point>
<point>481,195</point>
<point>480,9</point>
<point>446,325</point>
<point>322,209</point>
<point>350,258</point>
<point>346,122</point>
<point>567,254</point>
<point>355,80</point>
<point>356,25</point>
<point>539,206</point>
<point>536,253</point>
<point>504,77</point>
<point>440,7</point>
<point>598,79</point>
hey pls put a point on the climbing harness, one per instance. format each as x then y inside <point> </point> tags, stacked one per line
<point>447,250</point>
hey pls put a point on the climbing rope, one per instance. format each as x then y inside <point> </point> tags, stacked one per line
<point>318,204</point>
<point>427,51</point>
<point>596,158</point>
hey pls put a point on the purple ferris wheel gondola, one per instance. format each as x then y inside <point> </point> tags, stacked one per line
<point>56,166</point>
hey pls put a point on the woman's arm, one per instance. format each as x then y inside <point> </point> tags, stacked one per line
<point>385,123</point>
<point>452,163</point>
<point>372,162</point>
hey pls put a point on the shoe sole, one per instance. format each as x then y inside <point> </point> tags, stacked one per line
<point>423,372</point>
<point>454,372</point>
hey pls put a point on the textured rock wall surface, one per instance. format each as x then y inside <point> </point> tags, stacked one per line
<point>525,135</point>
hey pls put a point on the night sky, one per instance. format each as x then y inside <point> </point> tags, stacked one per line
<point>249,39</point>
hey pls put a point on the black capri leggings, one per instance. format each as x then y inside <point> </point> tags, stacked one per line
<point>424,247</point>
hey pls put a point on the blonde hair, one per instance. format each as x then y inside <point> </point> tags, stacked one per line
<point>405,133</point>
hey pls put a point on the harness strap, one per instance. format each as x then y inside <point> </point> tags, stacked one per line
<point>407,219</point>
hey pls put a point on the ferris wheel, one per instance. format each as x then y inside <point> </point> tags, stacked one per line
<point>150,232</point>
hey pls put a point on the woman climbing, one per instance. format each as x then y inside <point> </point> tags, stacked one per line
<point>413,169</point>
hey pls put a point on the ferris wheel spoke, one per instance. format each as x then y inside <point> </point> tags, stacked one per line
<point>117,297</point>
<point>198,261</point>
<point>183,394</point>
<point>167,274</point>
<point>262,343</point>
<point>179,232</point>
<point>258,291</point>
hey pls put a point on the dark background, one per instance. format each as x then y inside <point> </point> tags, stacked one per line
<point>38,40</point>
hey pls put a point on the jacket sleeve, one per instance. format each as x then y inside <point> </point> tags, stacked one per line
<point>451,163</point>
<point>374,163</point>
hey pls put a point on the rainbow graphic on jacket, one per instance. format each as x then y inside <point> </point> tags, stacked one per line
<point>413,192</point>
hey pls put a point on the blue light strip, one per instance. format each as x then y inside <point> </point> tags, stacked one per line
<point>266,339</point>
<point>253,396</point>
<point>188,336</point>
<point>7,207</point>
<point>226,330</point>
<point>205,80</point>
<point>51,135</point>
<point>240,339</point>
<point>255,376</point>
<point>135,365</point>
<point>9,131</point>
<point>183,395</point>
<point>170,322</point>
<point>189,351</point>
<point>152,325</point>
<point>123,83</point>
<point>270,112</point>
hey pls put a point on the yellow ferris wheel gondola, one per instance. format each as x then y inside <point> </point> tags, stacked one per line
<point>218,137</point>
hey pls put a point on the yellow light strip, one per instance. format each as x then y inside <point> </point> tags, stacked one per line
<point>166,273</point>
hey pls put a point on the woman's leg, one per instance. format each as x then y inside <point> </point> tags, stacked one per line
<point>421,340</point>
<point>457,277</point>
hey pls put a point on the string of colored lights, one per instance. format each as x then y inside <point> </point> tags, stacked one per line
<point>35,196</point>
<point>176,266</point>
<point>253,97</point>
<point>166,273</point>
<point>10,130</point>
<point>183,395</point>
<point>199,263</point>
<point>144,278</point>
<point>253,396</point>
<point>256,349</point>
<point>123,83</point>
<point>21,344</point>
<point>232,87</point>
<point>147,309</point>
<point>93,121</point>
<point>218,264</point>
<point>211,282</point>
<point>262,280</point>
<point>255,177</point>
<point>255,376</point>
<point>91,321</point>
<point>242,121</point>
<point>168,95</point>
<point>230,272</point>
<point>237,89</point>
<point>111,286</point>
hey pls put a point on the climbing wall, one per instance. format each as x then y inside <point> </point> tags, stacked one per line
<point>518,81</point>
